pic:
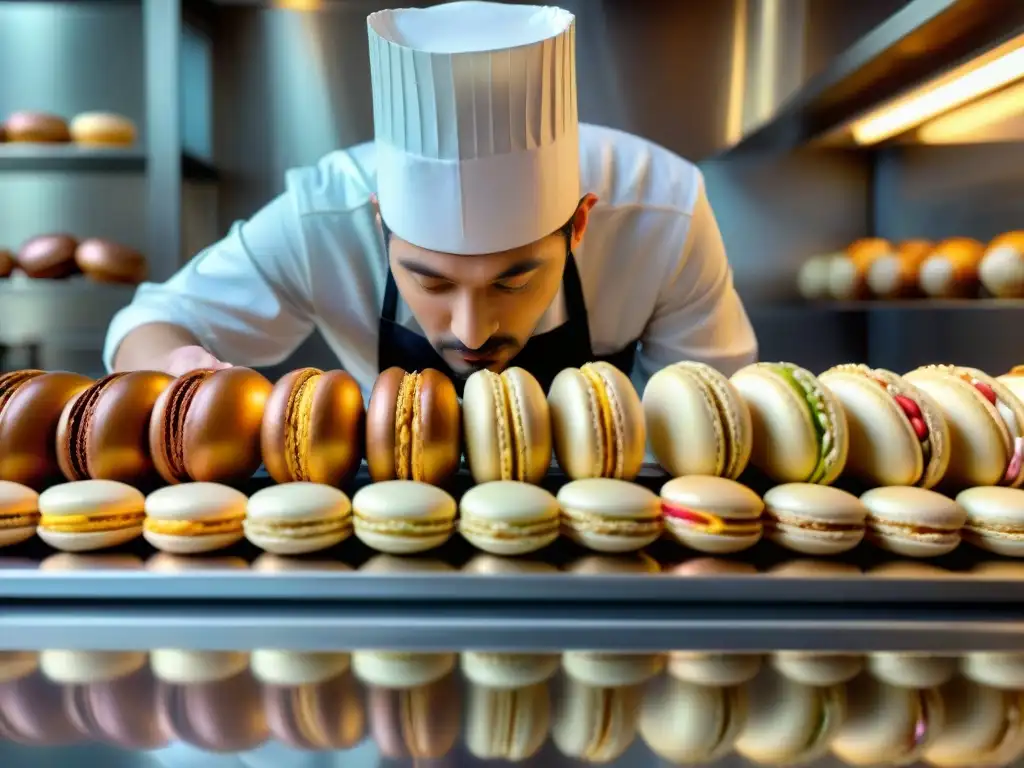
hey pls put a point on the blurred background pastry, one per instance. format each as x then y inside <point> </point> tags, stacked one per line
<point>894,275</point>
<point>37,127</point>
<point>102,129</point>
<point>7,263</point>
<point>812,278</point>
<point>951,270</point>
<point>1002,267</point>
<point>847,278</point>
<point>108,262</point>
<point>48,257</point>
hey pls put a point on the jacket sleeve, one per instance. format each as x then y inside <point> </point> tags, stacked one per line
<point>698,316</point>
<point>245,298</point>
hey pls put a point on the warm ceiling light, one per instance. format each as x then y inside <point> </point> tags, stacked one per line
<point>948,93</point>
<point>299,5</point>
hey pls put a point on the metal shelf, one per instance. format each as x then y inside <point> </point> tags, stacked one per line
<point>72,158</point>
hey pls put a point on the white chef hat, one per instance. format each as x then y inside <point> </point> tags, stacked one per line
<point>474,108</point>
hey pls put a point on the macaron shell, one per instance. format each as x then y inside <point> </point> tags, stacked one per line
<point>489,514</point>
<point>401,670</point>
<point>28,428</point>
<point>911,670</point>
<point>402,501</point>
<point>795,509</point>
<point>595,724</point>
<point>686,723</point>
<point>785,445</point>
<point>32,712</point>
<point>895,512</point>
<point>292,503</point>
<point>196,501</point>
<point>507,724</point>
<point>17,664</point>
<point>976,726</point>
<point>724,669</point>
<point>884,450</point>
<point>120,712</point>
<point>192,545</point>
<point>323,716</point>
<point>1014,381</point>
<point>420,722</point>
<point>978,453</point>
<point>818,668</point>
<point>508,670</point>
<point>718,496</point>
<point>72,667</point>
<point>278,667</point>
<point>11,536</point>
<point>612,670</point>
<point>188,667</point>
<point>224,716</point>
<point>997,669</point>
<point>719,434</point>
<point>995,519</point>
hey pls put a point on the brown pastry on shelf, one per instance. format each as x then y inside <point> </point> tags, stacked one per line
<point>1002,267</point>
<point>895,275</point>
<point>847,278</point>
<point>48,257</point>
<point>108,262</point>
<point>102,129</point>
<point>37,127</point>
<point>7,263</point>
<point>951,270</point>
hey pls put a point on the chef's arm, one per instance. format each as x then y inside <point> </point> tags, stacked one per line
<point>245,299</point>
<point>699,315</point>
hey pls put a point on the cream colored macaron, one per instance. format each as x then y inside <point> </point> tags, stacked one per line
<point>608,515</point>
<point>888,725</point>
<point>507,723</point>
<point>505,517</point>
<point>913,522</point>
<point>281,667</point>
<point>508,670</point>
<point>707,668</point>
<point>402,517</point>
<point>594,724</point>
<point>995,519</point>
<point>183,666</point>
<point>685,723</point>
<point>998,669</point>
<point>711,514</point>
<point>611,670</point>
<point>983,727</point>
<point>77,667</point>
<point>19,513</point>
<point>818,668</point>
<point>397,669</point>
<point>298,518</point>
<point>90,514</point>
<point>911,670</point>
<point>697,423</point>
<point>814,519</point>
<point>192,518</point>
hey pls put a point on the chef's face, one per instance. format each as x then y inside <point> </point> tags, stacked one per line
<point>479,311</point>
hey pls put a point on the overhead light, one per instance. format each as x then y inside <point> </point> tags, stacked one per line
<point>989,73</point>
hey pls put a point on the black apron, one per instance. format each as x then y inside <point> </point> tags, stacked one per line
<point>544,355</point>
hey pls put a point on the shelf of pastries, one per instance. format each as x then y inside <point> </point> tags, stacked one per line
<point>915,269</point>
<point>59,256</point>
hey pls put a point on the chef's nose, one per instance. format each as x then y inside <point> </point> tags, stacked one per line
<point>472,323</point>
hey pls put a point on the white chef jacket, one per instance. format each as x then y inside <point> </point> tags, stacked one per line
<point>652,266</point>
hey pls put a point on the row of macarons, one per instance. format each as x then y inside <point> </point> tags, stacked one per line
<point>705,513</point>
<point>795,708</point>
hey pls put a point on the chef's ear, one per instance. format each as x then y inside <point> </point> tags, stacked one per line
<point>376,208</point>
<point>581,218</point>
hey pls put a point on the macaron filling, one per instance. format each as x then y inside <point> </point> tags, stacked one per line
<point>924,722</point>
<point>593,522</point>
<point>18,520</point>
<point>511,431</point>
<point>708,522</point>
<point>496,529</point>
<point>410,528</point>
<point>910,530</point>
<point>294,530</point>
<point>212,527</point>
<point>777,520</point>
<point>1009,419</point>
<point>183,391</point>
<point>90,523</point>
<point>607,413</point>
<point>729,447</point>
<point>823,418</point>
<point>298,418</point>
<point>79,421</point>
<point>1002,530</point>
<point>407,424</point>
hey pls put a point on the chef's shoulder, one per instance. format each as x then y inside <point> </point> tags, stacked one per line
<point>341,181</point>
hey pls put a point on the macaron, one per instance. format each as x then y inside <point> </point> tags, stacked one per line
<point>913,522</point>
<point>911,670</point>
<point>898,435</point>
<point>297,668</point>
<point>90,514</point>
<point>31,404</point>
<point>711,514</point>
<point>103,432</point>
<point>506,517</point>
<point>298,518</point>
<point>790,723</point>
<point>313,427</point>
<point>419,722</point>
<point>507,723</point>
<point>507,426</point>
<point>818,668</point>
<point>1012,379</point>
<point>686,724</point>
<point>496,565</point>
<point>800,429</point>
<point>413,426</point>
<point>709,668</point>
<point>401,517</point>
<point>183,666</point>
<point>191,518</point>
<point>121,712</point>
<point>508,670</point>
<point>718,436</point>
<point>887,725</point>
<point>16,664</point>
<point>994,668</point>
<point>224,715</point>
<point>594,724</point>
<point>995,519</point>
<point>612,670</point>
<point>608,515</point>
<point>320,716</point>
<point>986,424</point>
<point>983,727</point>
<point>396,669</point>
<point>814,519</point>
<point>206,426</point>
<point>19,513</point>
<point>32,712</point>
<point>597,423</point>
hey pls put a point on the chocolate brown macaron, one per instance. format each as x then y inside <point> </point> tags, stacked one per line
<point>32,712</point>
<point>121,712</point>
<point>313,427</point>
<point>413,427</point>
<point>103,432</point>
<point>7,263</point>
<point>108,262</point>
<point>205,426</point>
<point>29,417</point>
<point>48,257</point>
<point>420,723</point>
<point>318,716</point>
<point>219,716</point>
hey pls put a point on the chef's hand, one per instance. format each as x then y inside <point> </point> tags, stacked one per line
<point>184,359</point>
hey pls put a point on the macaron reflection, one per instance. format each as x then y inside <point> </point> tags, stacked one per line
<point>492,565</point>
<point>686,723</point>
<point>419,722</point>
<point>225,715</point>
<point>507,723</point>
<point>713,566</point>
<point>319,716</point>
<point>613,565</point>
<point>593,723</point>
<point>121,712</point>
<point>32,712</point>
<point>715,669</point>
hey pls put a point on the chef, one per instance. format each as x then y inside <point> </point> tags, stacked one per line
<point>484,227</point>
